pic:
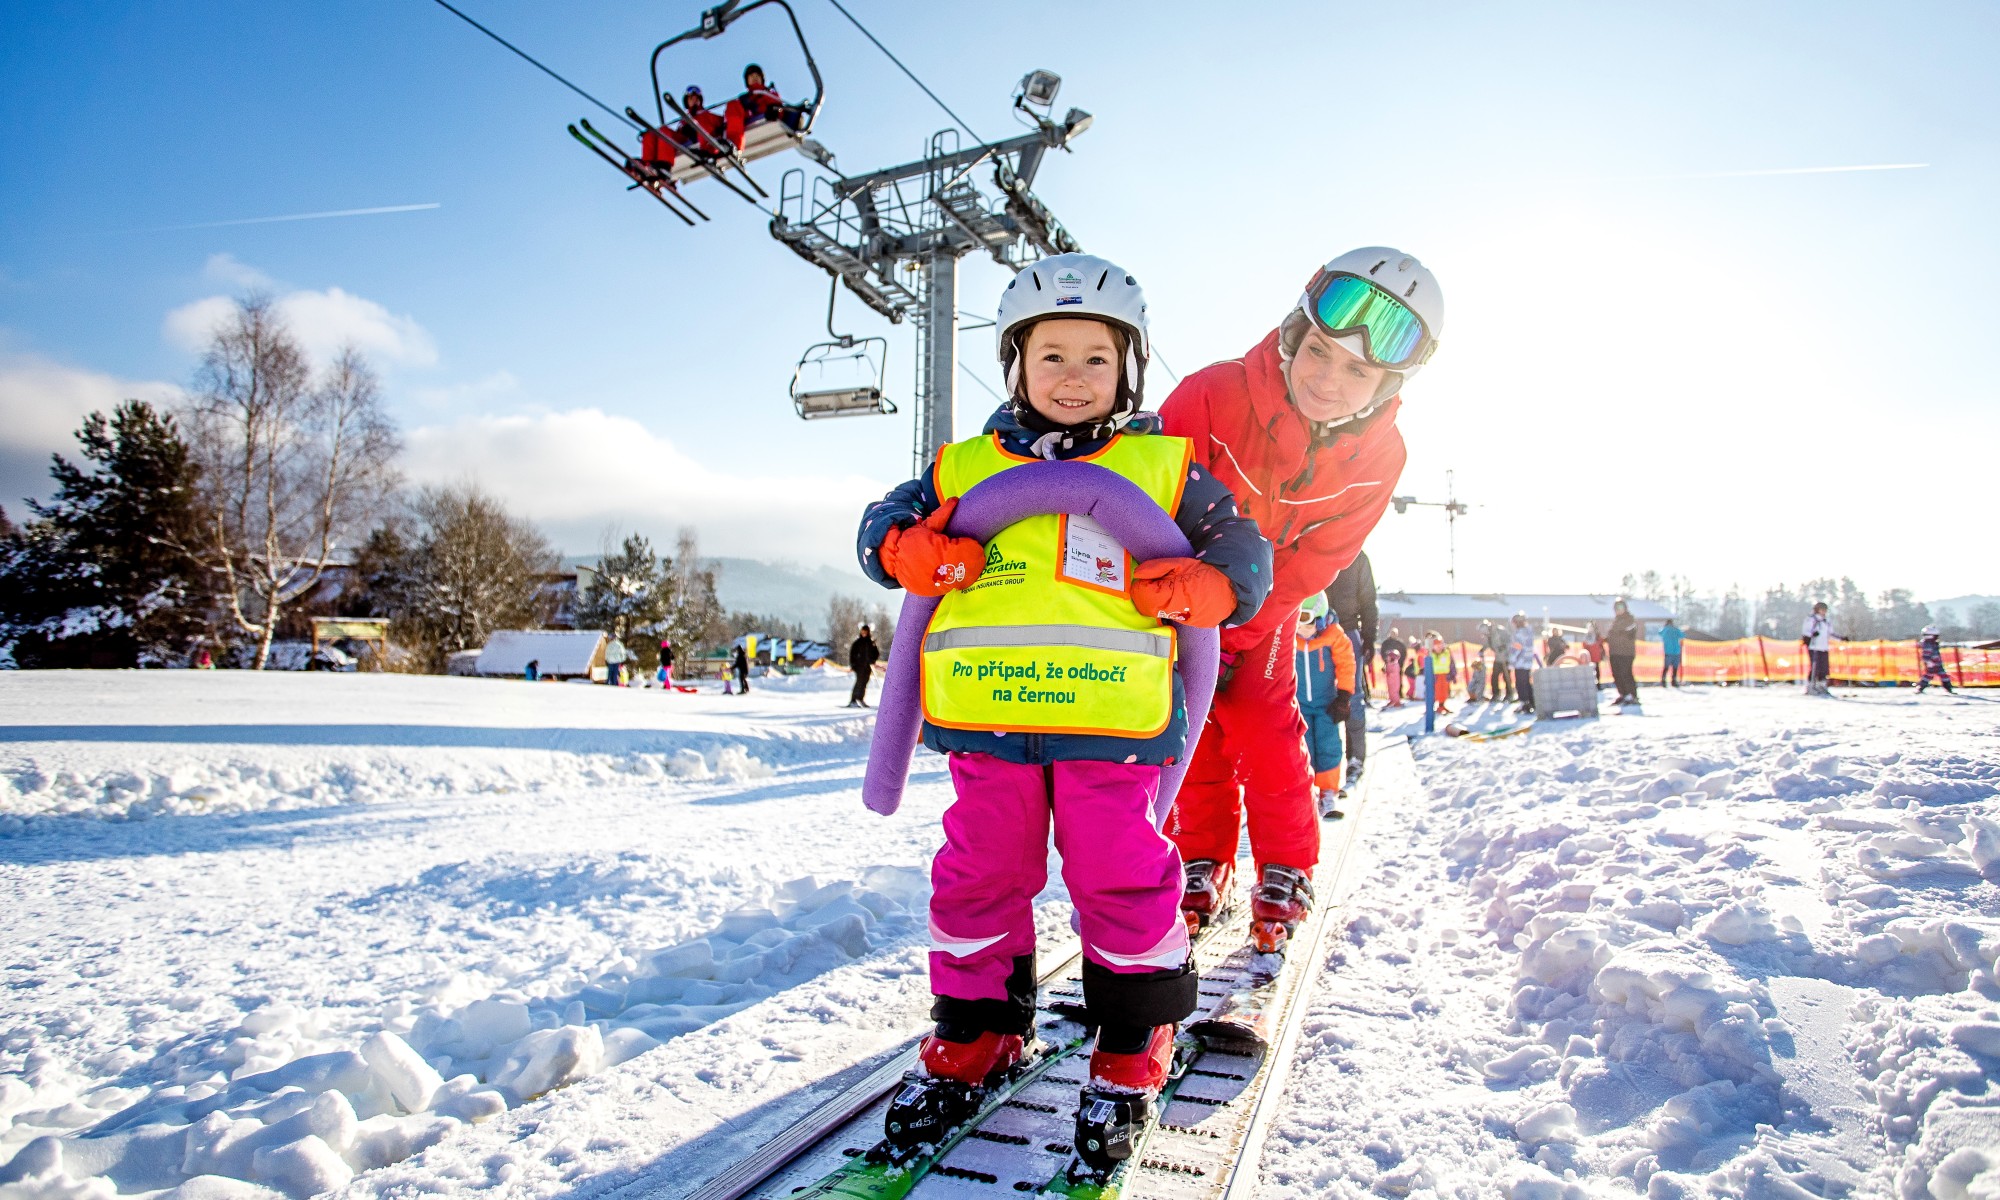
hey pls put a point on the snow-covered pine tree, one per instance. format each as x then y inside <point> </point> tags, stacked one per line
<point>107,573</point>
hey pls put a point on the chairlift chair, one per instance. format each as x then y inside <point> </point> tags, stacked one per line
<point>855,396</point>
<point>761,139</point>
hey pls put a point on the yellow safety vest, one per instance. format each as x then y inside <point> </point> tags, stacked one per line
<point>1047,640</point>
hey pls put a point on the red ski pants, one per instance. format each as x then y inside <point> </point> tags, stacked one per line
<point>1123,876</point>
<point>1252,763</point>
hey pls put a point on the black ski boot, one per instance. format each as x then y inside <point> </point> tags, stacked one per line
<point>1128,1068</point>
<point>1106,1124</point>
<point>946,1090</point>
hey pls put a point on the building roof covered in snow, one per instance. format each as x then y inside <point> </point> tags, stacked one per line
<point>556,652</point>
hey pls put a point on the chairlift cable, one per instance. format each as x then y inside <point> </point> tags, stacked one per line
<point>905,70</point>
<point>531,59</point>
<point>1162,360</point>
<point>974,376</point>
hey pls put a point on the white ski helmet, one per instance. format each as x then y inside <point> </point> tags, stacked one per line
<point>1930,631</point>
<point>1313,607</point>
<point>1077,285</point>
<point>1400,335</point>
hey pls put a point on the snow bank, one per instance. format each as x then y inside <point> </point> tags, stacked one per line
<point>1743,945</point>
<point>276,1104</point>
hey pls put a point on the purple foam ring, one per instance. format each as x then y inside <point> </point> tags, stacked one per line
<point>1078,488</point>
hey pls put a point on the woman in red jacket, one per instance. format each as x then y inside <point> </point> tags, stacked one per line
<point>1303,430</point>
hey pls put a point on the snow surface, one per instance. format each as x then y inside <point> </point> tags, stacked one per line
<point>1743,944</point>
<point>397,936</point>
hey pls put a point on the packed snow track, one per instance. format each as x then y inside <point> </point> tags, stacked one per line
<point>383,935</point>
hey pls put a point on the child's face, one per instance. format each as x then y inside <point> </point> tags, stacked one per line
<point>1327,382</point>
<point>1070,369</point>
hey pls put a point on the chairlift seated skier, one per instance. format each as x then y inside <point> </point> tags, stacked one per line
<point>664,151</point>
<point>1087,758</point>
<point>760,102</point>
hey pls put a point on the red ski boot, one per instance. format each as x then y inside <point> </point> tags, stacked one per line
<point>1127,1071</point>
<point>1206,895</point>
<point>947,1089</point>
<point>1280,902</point>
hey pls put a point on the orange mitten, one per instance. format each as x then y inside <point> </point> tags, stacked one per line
<point>1184,591</point>
<point>929,562</point>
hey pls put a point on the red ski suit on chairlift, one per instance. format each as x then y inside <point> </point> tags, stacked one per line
<point>1316,502</point>
<point>656,149</point>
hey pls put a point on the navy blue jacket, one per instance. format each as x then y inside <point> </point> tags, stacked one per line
<point>1225,539</point>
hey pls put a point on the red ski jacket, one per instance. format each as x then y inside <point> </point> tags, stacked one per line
<point>1316,503</point>
<point>760,102</point>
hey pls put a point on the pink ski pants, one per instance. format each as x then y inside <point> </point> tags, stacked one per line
<point>1124,876</point>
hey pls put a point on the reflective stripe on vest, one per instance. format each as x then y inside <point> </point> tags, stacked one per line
<point>1096,664</point>
<point>1159,644</point>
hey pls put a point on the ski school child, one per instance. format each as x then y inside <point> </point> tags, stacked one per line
<point>1053,594</point>
<point>1440,668</point>
<point>1327,684</point>
<point>1930,652</point>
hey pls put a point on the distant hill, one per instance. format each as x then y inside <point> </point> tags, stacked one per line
<point>782,589</point>
<point>1962,605</point>
<point>790,590</point>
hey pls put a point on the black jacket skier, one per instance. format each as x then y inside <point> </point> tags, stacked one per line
<point>862,656</point>
<point>1351,596</point>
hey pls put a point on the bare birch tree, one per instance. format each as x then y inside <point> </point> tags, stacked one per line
<point>295,469</point>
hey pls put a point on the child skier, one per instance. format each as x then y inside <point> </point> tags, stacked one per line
<point>1047,594</point>
<point>1817,636</point>
<point>1932,653</point>
<point>1323,660</point>
<point>1393,650</point>
<point>1440,668</point>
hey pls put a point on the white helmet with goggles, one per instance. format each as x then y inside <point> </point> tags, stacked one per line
<point>1077,285</point>
<point>1313,607</point>
<point>1380,305</point>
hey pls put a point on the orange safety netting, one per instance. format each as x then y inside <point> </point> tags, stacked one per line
<point>1775,660</point>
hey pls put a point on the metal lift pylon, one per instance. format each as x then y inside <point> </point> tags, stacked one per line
<point>893,237</point>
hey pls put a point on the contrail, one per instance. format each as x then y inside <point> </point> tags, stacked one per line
<point>1770,171</point>
<point>311,216</point>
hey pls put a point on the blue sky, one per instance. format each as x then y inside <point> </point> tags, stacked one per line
<point>1648,361</point>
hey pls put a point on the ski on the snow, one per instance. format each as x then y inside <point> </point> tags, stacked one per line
<point>877,1174</point>
<point>1201,1137</point>
<point>1488,735</point>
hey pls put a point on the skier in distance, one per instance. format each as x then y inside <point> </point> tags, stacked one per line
<point>1930,652</point>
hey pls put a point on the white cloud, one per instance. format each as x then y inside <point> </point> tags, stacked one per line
<point>575,473</point>
<point>191,325</point>
<point>41,405</point>
<point>486,388</point>
<point>226,269</point>
<point>326,321</point>
<point>322,322</point>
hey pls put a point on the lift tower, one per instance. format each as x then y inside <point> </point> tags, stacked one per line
<point>894,237</point>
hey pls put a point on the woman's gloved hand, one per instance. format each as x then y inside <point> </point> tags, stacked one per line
<point>929,562</point>
<point>1183,590</point>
